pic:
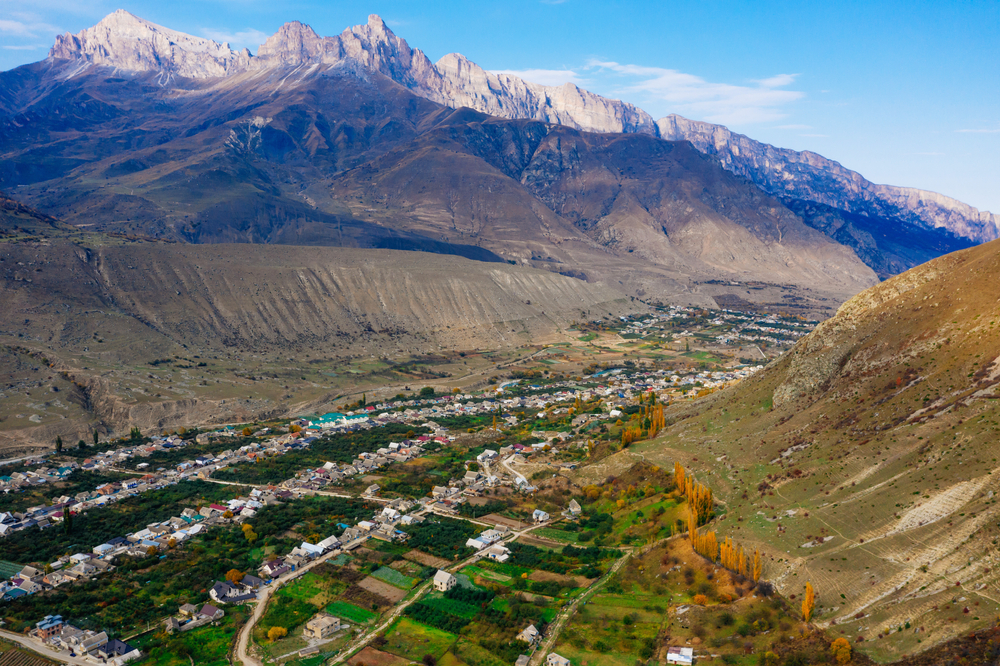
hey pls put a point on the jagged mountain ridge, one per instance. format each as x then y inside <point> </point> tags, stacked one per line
<point>349,155</point>
<point>455,81</point>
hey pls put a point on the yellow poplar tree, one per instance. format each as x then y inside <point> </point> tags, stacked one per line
<point>808,602</point>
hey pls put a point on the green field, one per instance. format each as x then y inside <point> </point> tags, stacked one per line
<point>412,640</point>
<point>473,571</point>
<point>350,612</point>
<point>458,608</point>
<point>511,570</point>
<point>394,578</point>
<point>558,535</point>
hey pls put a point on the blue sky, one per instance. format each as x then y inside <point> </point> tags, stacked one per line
<point>906,93</point>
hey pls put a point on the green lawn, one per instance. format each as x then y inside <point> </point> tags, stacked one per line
<point>350,612</point>
<point>412,640</point>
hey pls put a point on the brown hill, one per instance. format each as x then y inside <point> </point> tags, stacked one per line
<point>163,335</point>
<point>865,460</point>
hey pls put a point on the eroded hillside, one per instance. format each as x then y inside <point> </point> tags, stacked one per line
<point>157,335</point>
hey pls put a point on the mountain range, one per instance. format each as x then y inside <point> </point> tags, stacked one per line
<point>362,141</point>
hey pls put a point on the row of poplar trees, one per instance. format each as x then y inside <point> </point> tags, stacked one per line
<point>728,553</point>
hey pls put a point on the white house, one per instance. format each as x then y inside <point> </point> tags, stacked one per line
<point>556,660</point>
<point>680,655</point>
<point>498,553</point>
<point>540,516</point>
<point>444,581</point>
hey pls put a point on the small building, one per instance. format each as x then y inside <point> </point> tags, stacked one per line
<point>540,516</point>
<point>575,508</point>
<point>444,581</point>
<point>556,660</point>
<point>522,660</point>
<point>208,610</point>
<point>529,635</point>
<point>116,649</point>
<point>498,553</point>
<point>680,655</point>
<point>322,626</point>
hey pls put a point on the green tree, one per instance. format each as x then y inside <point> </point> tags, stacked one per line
<point>58,444</point>
<point>427,391</point>
<point>95,438</point>
<point>82,445</point>
<point>68,521</point>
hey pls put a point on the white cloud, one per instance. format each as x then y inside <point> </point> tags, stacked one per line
<point>693,96</point>
<point>779,81</point>
<point>544,77</point>
<point>249,38</point>
<point>25,47</point>
<point>28,27</point>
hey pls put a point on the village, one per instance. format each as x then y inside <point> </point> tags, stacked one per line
<point>391,520</point>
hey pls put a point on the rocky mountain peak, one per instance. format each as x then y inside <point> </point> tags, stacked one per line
<point>126,41</point>
<point>293,44</point>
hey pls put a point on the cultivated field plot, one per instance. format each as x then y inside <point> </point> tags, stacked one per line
<point>413,640</point>
<point>382,589</point>
<point>421,558</point>
<point>372,657</point>
<point>497,519</point>
<point>348,611</point>
<point>19,658</point>
<point>476,573</point>
<point>395,578</point>
<point>453,606</point>
<point>557,535</point>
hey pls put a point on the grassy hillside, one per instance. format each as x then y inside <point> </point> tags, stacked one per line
<point>865,460</point>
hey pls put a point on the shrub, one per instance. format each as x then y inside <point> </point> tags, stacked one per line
<point>274,633</point>
<point>700,599</point>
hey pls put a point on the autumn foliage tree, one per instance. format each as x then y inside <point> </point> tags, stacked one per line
<point>680,477</point>
<point>841,651</point>
<point>808,602</point>
<point>274,633</point>
<point>249,533</point>
<point>700,500</point>
<point>234,576</point>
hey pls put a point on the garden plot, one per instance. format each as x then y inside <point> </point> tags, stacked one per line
<point>426,560</point>
<point>382,589</point>
<point>395,578</point>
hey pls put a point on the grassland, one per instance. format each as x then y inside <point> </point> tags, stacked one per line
<point>412,640</point>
